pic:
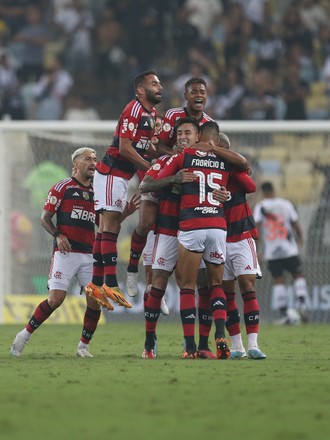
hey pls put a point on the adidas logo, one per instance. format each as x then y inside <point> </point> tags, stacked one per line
<point>75,194</point>
<point>192,316</point>
<point>218,303</point>
<point>146,124</point>
<point>248,267</point>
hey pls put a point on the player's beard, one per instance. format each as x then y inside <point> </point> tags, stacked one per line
<point>151,97</point>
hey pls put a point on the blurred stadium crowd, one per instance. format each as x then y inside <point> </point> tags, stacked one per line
<point>76,59</point>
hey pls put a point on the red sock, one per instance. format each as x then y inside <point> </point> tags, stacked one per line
<point>204,311</point>
<point>98,268</point>
<point>219,307</point>
<point>233,321</point>
<point>109,257</point>
<point>137,246</point>
<point>188,311</point>
<point>251,312</point>
<point>41,313</point>
<point>152,308</point>
<point>91,320</point>
<point>151,315</point>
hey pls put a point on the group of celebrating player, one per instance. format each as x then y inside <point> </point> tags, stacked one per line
<point>193,219</point>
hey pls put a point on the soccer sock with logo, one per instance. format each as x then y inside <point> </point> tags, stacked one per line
<point>251,311</point>
<point>137,245</point>
<point>98,267</point>
<point>188,316</point>
<point>41,313</point>
<point>109,257</point>
<point>91,320</point>
<point>233,321</point>
<point>151,315</point>
<point>218,307</point>
<point>204,317</point>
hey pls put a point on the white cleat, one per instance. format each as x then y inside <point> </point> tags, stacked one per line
<point>132,283</point>
<point>256,353</point>
<point>237,353</point>
<point>163,306</point>
<point>18,345</point>
<point>83,352</point>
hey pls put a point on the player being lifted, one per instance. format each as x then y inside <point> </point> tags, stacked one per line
<point>195,94</point>
<point>132,140</point>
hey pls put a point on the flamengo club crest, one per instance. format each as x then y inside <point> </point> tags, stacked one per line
<point>85,195</point>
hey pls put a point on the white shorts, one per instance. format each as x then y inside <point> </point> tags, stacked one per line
<point>210,242</point>
<point>110,192</point>
<point>150,197</point>
<point>241,259</point>
<point>148,249</point>
<point>165,254</point>
<point>65,267</point>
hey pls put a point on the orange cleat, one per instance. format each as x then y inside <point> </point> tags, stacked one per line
<point>116,295</point>
<point>222,348</point>
<point>97,293</point>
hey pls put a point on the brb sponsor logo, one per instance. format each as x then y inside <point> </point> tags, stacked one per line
<point>82,214</point>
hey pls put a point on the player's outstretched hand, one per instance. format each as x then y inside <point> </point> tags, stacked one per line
<point>133,204</point>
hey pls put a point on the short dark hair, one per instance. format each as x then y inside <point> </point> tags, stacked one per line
<point>140,78</point>
<point>210,127</point>
<point>186,120</point>
<point>267,187</point>
<point>195,80</point>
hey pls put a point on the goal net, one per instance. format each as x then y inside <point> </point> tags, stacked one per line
<point>294,156</point>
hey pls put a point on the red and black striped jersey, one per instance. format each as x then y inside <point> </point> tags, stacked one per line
<point>167,221</point>
<point>136,124</point>
<point>73,204</point>
<point>238,214</point>
<point>198,207</point>
<point>167,133</point>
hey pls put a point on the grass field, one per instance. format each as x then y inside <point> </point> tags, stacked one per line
<point>50,394</point>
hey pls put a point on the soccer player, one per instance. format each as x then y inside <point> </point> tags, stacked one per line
<point>132,140</point>
<point>241,263</point>
<point>195,94</point>
<point>165,256</point>
<point>278,223</point>
<point>72,200</point>
<point>202,232</point>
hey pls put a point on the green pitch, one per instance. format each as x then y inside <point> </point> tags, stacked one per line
<point>50,394</point>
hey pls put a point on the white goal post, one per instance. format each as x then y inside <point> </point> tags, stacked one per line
<point>294,155</point>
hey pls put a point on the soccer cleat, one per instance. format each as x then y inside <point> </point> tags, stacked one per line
<point>148,354</point>
<point>83,352</point>
<point>163,306</point>
<point>222,348</point>
<point>256,353</point>
<point>132,283</point>
<point>18,345</point>
<point>186,355</point>
<point>116,295</point>
<point>98,294</point>
<point>206,354</point>
<point>237,354</point>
